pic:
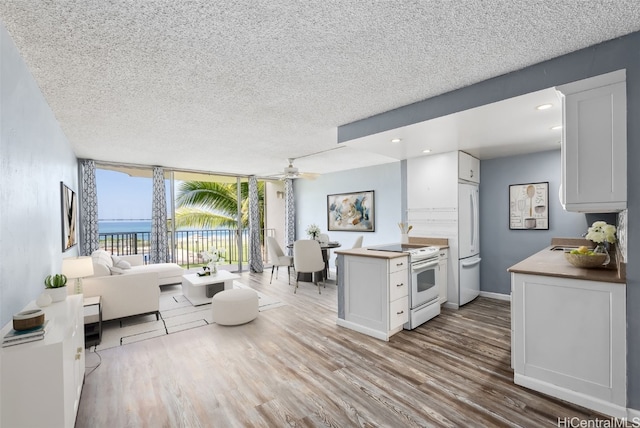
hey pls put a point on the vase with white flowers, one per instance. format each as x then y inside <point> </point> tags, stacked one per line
<point>213,257</point>
<point>313,231</point>
<point>602,234</point>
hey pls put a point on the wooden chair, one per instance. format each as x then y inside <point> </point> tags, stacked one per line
<point>307,258</point>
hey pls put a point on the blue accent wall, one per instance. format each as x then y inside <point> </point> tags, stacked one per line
<point>502,247</point>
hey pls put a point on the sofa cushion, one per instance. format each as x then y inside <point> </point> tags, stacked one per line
<point>120,263</point>
<point>100,269</point>
<point>116,270</point>
<point>102,257</point>
<point>164,270</point>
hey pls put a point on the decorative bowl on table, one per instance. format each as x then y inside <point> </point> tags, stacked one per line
<point>586,260</point>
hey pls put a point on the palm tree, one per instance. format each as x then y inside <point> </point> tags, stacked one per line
<point>210,205</point>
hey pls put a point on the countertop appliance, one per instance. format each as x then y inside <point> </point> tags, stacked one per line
<point>424,286</point>
<point>468,242</point>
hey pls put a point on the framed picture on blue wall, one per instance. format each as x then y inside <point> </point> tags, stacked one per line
<point>351,212</point>
<point>529,206</point>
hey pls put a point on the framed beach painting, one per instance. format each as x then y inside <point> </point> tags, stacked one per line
<point>529,206</point>
<point>351,212</point>
<point>69,217</point>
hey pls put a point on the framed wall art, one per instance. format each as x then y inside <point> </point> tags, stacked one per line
<point>529,206</point>
<point>351,212</point>
<point>69,217</point>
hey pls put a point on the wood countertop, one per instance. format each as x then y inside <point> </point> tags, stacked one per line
<point>550,262</point>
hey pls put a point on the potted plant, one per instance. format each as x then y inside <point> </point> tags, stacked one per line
<point>56,287</point>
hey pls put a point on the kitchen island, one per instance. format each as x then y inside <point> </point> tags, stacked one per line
<point>568,336</point>
<point>374,287</point>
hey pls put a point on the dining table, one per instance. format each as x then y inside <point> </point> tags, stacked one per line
<point>325,247</point>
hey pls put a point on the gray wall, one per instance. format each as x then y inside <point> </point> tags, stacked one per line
<point>501,247</point>
<point>385,180</point>
<point>34,157</point>
<point>623,52</point>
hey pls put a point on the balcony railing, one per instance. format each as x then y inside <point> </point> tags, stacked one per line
<point>188,246</point>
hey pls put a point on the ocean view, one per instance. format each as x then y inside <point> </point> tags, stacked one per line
<point>124,226</point>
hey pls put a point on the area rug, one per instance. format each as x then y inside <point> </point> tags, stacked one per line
<point>176,314</point>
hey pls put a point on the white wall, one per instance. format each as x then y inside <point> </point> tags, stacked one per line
<point>385,180</point>
<point>35,157</point>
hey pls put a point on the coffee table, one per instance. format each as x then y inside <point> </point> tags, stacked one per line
<point>195,287</point>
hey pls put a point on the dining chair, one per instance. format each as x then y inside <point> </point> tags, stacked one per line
<point>323,239</point>
<point>307,258</point>
<point>356,244</point>
<point>278,258</point>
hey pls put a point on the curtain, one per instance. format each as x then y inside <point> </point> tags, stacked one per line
<point>89,237</point>
<point>255,249</point>
<point>289,212</point>
<point>159,251</point>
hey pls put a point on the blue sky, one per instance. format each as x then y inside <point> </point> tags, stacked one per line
<point>123,197</point>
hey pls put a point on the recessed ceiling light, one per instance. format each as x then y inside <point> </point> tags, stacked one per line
<point>426,151</point>
<point>544,106</point>
<point>396,140</point>
<point>555,128</point>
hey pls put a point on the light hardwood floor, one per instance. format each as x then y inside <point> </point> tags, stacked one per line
<point>293,366</point>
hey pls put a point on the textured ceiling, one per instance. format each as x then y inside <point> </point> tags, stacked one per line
<point>239,86</point>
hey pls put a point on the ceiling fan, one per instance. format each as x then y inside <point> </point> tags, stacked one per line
<point>293,172</point>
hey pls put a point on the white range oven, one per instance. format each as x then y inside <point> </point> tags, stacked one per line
<point>424,281</point>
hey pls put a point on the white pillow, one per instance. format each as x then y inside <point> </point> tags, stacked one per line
<point>116,270</point>
<point>101,256</point>
<point>119,263</point>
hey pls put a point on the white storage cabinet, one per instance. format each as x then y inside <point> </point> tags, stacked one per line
<point>594,144</point>
<point>42,380</point>
<point>569,340</point>
<point>468,167</point>
<point>376,295</point>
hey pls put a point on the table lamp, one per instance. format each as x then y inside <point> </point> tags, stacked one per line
<point>78,268</point>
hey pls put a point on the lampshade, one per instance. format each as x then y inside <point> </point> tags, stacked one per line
<point>77,267</point>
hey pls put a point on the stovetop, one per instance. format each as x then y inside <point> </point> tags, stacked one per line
<point>415,253</point>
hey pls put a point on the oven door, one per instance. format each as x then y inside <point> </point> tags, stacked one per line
<point>424,282</point>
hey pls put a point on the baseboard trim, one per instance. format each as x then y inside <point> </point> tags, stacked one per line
<point>497,296</point>
<point>574,397</point>
<point>633,416</point>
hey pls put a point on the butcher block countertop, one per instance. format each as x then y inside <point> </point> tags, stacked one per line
<point>550,262</point>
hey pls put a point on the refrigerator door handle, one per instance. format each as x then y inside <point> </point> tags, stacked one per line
<point>471,263</point>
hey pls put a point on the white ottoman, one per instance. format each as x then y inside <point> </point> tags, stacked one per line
<point>235,306</point>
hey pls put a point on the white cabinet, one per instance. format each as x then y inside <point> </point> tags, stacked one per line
<point>442,276</point>
<point>569,340</point>
<point>468,167</point>
<point>42,380</point>
<point>594,144</point>
<point>376,295</point>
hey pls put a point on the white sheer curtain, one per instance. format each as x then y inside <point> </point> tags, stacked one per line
<point>289,212</point>
<point>159,251</point>
<point>89,237</point>
<point>255,249</point>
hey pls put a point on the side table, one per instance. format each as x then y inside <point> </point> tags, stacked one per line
<point>92,320</point>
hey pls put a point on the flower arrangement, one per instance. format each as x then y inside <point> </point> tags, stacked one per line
<point>213,256</point>
<point>313,231</point>
<point>601,232</point>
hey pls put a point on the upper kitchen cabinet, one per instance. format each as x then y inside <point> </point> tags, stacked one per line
<point>594,144</point>
<point>468,168</point>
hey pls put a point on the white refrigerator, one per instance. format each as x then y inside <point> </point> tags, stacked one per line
<point>468,243</point>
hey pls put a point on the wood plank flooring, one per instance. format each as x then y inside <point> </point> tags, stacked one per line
<point>293,366</point>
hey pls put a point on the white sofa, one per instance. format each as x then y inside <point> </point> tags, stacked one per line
<point>127,286</point>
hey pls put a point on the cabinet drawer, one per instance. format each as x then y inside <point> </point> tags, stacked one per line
<point>399,263</point>
<point>398,285</point>
<point>398,312</point>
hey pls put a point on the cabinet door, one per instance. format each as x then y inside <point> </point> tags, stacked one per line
<point>398,284</point>
<point>398,312</point>
<point>468,167</point>
<point>366,302</point>
<point>594,145</point>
